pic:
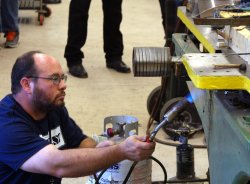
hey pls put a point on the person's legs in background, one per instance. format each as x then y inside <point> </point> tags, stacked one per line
<point>163,16</point>
<point>170,21</point>
<point>52,1</point>
<point>112,36</point>
<point>77,35</point>
<point>169,17</point>
<point>9,18</point>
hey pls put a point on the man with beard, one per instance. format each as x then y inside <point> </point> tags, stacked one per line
<point>39,141</point>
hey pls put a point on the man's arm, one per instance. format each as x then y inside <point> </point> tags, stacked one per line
<point>91,143</point>
<point>86,161</point>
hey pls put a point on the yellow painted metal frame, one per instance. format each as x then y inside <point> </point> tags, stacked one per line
<point>210,82</point>
<point>217,82</point>
<point>193,28</point>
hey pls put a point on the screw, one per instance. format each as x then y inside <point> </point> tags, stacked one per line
<point>242,67</point>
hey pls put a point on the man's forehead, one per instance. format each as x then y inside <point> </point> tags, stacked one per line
<point>47,63</point>
<point>41,57</point>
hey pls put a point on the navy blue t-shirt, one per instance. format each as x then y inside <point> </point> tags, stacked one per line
<point>21,137</point>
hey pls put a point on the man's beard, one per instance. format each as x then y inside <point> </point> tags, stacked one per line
<point>43,103</point>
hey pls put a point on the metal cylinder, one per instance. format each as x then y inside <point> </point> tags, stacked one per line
<point>185,161</point>
<point>151,61</point>
<point>121,127</point>
<point>117,173</point>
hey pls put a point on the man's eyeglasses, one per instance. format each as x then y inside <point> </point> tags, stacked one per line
<point>55,78</point>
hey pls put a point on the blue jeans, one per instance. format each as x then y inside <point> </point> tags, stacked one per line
<point>9,16</point>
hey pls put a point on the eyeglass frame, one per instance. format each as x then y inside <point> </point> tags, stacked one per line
<point>56,78</point>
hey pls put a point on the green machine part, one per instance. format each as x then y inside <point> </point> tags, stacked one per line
<point>227,130</point>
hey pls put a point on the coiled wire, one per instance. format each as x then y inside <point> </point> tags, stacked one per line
<point>151,61</point>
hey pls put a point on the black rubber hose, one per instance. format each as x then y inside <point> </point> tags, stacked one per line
<point>129,172</point>
<point>162,167</point>
<point>99,176</point>
<point>190,181</point>
<point>96,179</point>
<point>182,181</point>
<point>152,158</point>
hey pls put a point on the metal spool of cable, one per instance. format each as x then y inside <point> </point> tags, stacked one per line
<point>151,61</point>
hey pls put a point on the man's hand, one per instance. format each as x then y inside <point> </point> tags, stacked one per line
<point>135,148</point>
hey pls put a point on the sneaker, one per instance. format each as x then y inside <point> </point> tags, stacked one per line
<point>12,39</point>
<point>119,66</point>
<point>78,71</point>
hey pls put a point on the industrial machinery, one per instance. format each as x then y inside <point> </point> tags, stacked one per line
<point>217,70</point>
<point>223,105</point>
<point>157,61</point>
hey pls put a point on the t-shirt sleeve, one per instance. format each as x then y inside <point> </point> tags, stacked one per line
<point>18,143</point>
<point>73,133</point>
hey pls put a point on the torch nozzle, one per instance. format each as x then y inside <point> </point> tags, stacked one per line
<point>169,116</point>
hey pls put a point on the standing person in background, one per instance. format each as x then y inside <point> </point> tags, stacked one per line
<point>52,1</point>
<point>163,16</point>
<point>9,22</point>
<point>39,142</point>
<point>170,21</point>
<point>77,35</point>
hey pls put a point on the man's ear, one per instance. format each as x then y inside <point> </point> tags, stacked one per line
<point>27,84</point>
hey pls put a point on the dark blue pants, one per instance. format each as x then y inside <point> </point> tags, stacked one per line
<point>9,16</point>
<point>78,25</point>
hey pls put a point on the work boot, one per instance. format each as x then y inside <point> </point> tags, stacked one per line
<point>78,70</point>
<point>119,66</point>
<point>12,39</point>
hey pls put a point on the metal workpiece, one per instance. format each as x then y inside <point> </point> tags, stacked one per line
<point>203,73</point>
<point>155,62</point>
<point>151,61</point>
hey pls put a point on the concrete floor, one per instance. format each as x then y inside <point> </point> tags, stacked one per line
<point>105,92</point>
